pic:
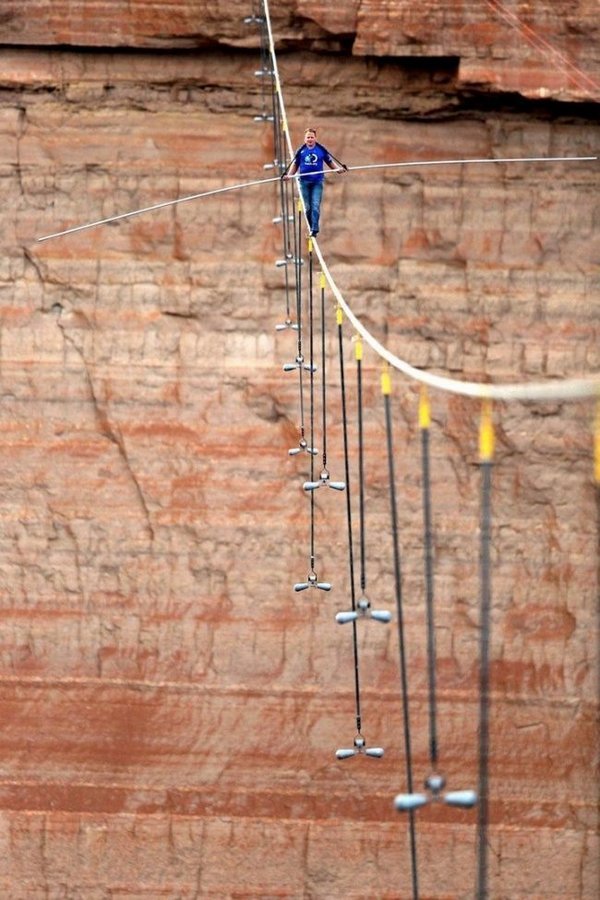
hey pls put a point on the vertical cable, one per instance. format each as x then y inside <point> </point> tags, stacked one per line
<point>486,452</point>
<point>299,358</point>
<point>424,425</point>
<point>323,378</point>
<point>340,320</point>
<point>312,401</point>
<point>387,389</point>
<point>358,352</point>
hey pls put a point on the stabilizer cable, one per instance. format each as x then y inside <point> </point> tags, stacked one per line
<point>386,390</point>
<point>360,745</point>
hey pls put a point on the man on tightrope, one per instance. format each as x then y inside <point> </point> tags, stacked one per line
<point>308,163</point>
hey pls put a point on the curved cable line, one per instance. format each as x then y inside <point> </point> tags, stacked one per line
<point>565,389</point>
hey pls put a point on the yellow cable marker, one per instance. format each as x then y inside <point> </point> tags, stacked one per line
<point>386,382</point>
<point>299,205</point>
<point>323,281</point>
<point>486,433</point>
<point>310,245</point>
<point>424,408</point>
<point>339,315</point>
<point>358,348</point>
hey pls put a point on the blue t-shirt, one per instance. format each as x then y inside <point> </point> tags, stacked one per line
<point>311,163</point>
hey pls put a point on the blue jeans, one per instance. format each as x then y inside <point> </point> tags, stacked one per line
<point>312,192</point>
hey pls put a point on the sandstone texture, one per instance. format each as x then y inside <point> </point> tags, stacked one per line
<point>170,708</point>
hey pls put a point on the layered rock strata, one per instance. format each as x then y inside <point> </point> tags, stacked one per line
<point>170,707</point>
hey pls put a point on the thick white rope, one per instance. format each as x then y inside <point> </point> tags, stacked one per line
<point>565,389</point>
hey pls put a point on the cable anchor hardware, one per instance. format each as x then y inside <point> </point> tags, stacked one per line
<point>359,748</point>
<point>363,611</point>
<point>435,785</point>
<point>279,263</point>
<point>312,582</point>
<point>303,448</point>
<point>287,324</point>
<point>254,20</point>
<point>324,481</point>
<point>299,364</point>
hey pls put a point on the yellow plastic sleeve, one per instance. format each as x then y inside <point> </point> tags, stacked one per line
<point>424,409</point>
<point>486,433</point>
<point>386,383</point>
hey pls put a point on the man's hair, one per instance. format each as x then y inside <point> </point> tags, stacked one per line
<point>311,129</point>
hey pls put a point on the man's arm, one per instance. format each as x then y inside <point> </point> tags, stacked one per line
<point>333,163</point>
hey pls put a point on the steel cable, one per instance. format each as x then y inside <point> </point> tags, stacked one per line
<point>386,389</point>
<point>340,320</point>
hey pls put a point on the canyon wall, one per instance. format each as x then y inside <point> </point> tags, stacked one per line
<point>170,707</point>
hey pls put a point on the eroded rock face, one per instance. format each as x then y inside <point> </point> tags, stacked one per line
<point>541,50</point>
<point>170,706</point>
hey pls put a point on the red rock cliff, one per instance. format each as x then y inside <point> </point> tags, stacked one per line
<point>170,708</point>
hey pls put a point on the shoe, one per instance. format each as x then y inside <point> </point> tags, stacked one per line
<point>314,233</point>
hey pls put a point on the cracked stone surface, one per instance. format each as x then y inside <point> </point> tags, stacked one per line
<point>170,708</point>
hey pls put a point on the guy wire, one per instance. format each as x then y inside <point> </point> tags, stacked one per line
<point>424,420</point>
<point>486,454</point>
<point>340,319</point>
<point>401,643</point>
<point>361,472</point>
<point>312,402</point>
